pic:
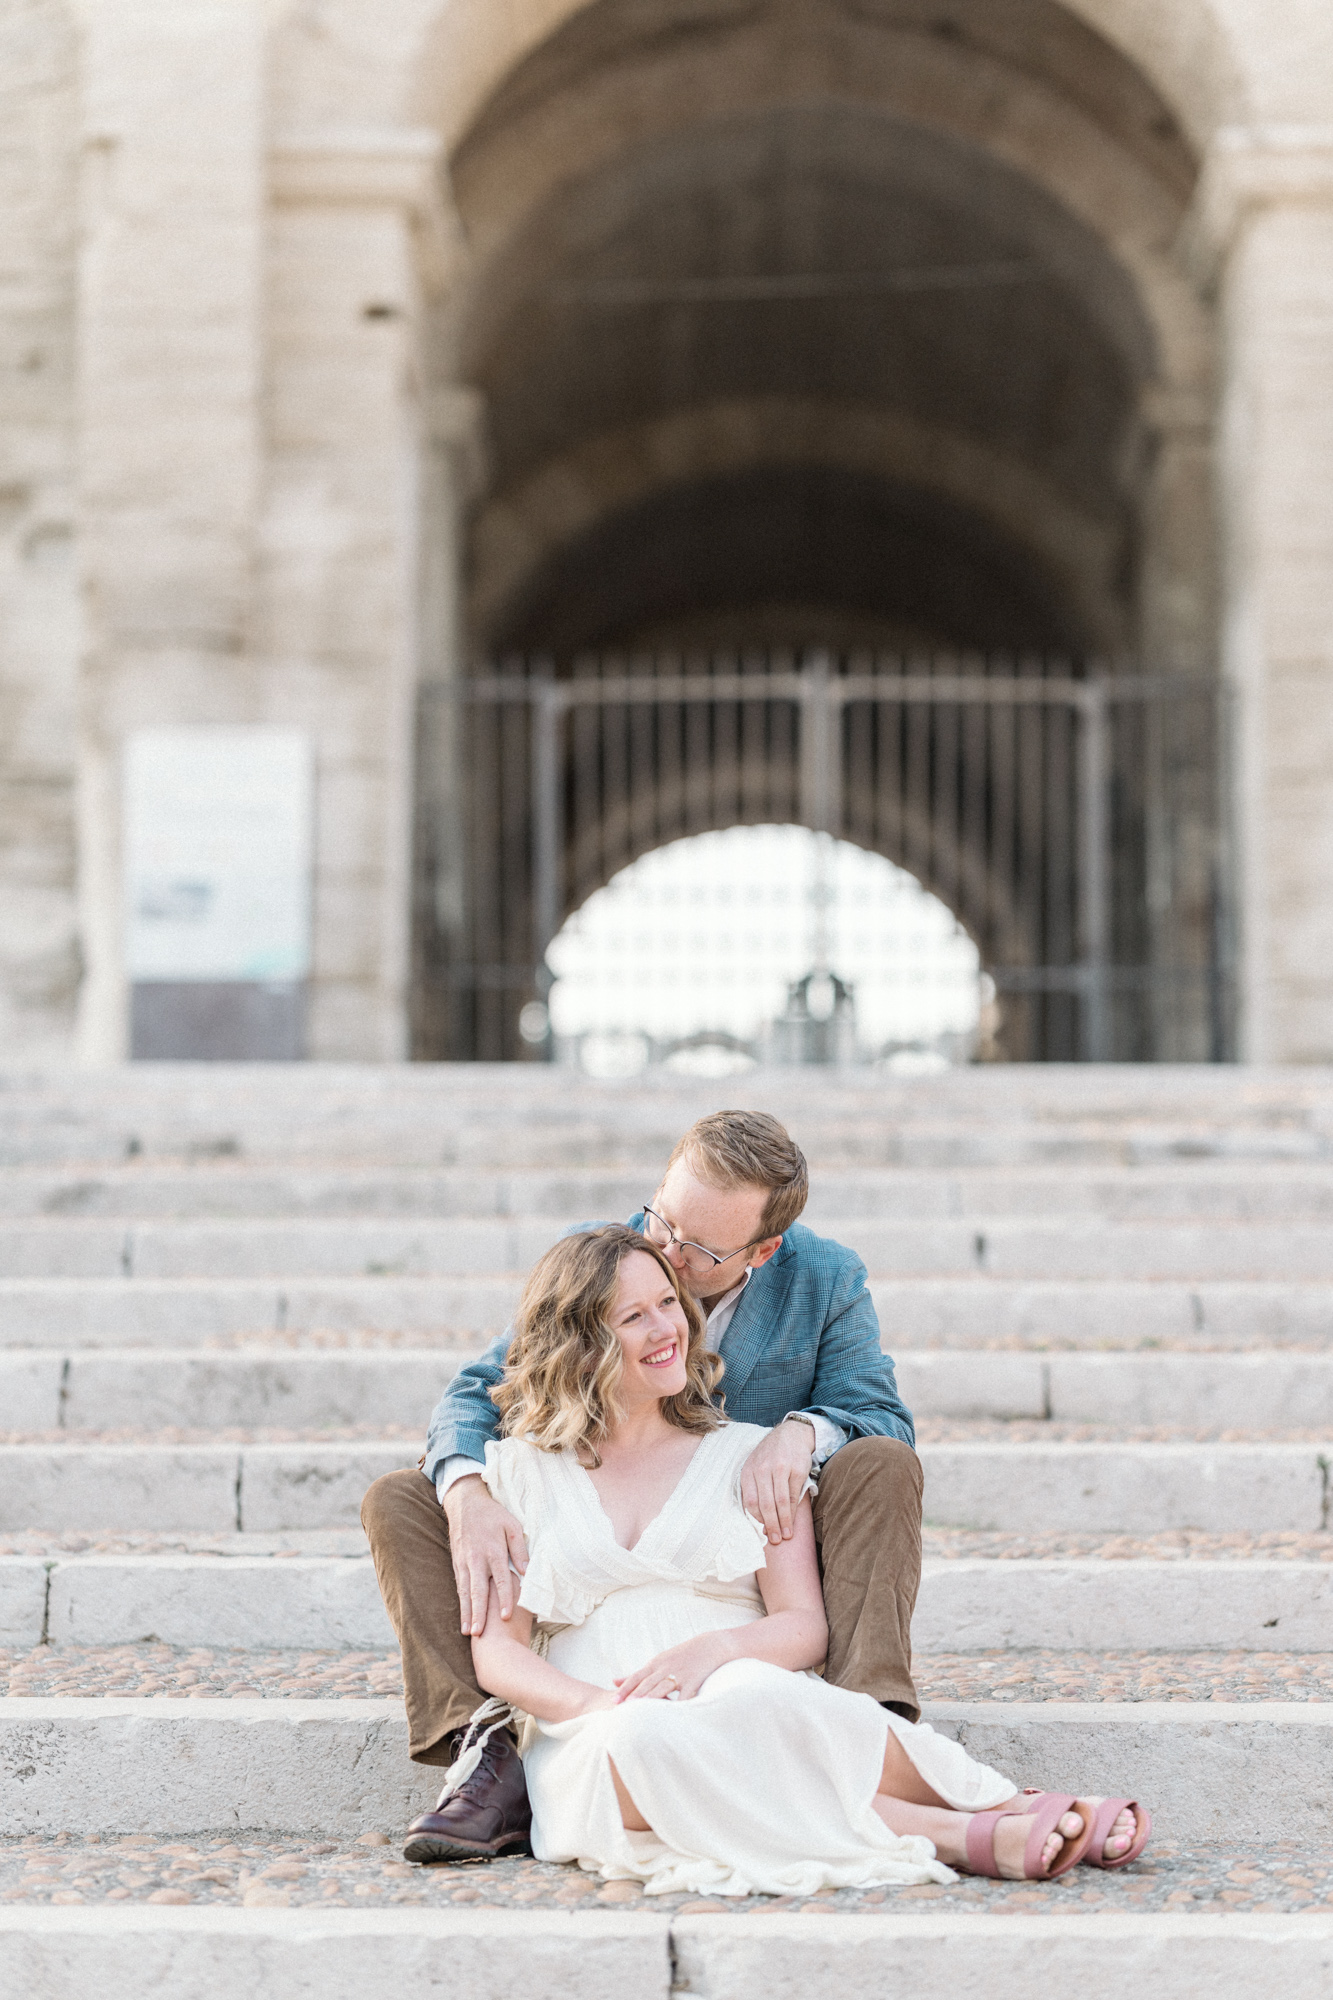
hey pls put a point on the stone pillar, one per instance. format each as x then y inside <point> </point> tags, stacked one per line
<point>1266,208</point>
<point>360,238</point>
<point>455,467</point>
<point>1177,596</point>
<point>1178,635</point>
<point>39,625</point>
<point>169,363</point>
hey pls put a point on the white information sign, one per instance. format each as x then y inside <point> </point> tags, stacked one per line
<point>218,849</point>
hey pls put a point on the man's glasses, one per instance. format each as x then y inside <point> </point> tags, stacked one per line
<point>659,1231</point>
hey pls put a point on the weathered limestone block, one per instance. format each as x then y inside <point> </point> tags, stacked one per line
<point>39,956</point>
<point>170,364</point>
<point>1269,201</point>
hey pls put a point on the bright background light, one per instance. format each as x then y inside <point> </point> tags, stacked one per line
<point>706,934</point>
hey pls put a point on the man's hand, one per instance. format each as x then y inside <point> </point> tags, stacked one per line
<point>484,1539</point>
<point>774,1474</point>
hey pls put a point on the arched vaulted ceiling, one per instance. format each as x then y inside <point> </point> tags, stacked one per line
<point>952,224</point>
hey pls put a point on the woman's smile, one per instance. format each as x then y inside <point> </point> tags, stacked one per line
<point>661,1357</point>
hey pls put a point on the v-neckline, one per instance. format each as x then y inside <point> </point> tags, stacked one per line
<point>591,1486</point>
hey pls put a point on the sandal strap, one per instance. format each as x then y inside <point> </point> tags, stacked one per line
<point>980,1838</point>
<point>1107,1814</point>
<point>1048,1808</point>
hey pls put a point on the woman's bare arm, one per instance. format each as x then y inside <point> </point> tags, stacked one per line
<point>505,1667</point>
<point>793,1635</point>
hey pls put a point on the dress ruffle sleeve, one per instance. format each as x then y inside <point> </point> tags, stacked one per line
<point>740,1552</point>
<point>741,1549</point>
<point>555,1587</point>
<point>506,1480</point>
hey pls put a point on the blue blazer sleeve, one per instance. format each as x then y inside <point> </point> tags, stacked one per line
<point>465,1419</point>
<point>855,1386</point>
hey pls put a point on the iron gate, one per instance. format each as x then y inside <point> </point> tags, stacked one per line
<point>1071,817</point>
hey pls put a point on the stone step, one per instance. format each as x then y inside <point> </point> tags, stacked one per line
<point>1046,1313</point>
<point>190,1312</point>
<point>351,1247</point>
<point>1028,1487</point>
<point>325,1602</point>
<point>103,1389</point>
<point>217,1488</point>
<point>107,1389</point>
<point>286,1872</point>
<point>1215,1191</point>
<point>1141,1488</point>
<point>534,1114</point>
<point>970,1312</point>
<point>607,1954</point>
<point>1260,1390</point>
<point>282,1673</point>
<point>1249,1771</point>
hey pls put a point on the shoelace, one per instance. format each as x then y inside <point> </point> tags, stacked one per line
<point>482,1725</point>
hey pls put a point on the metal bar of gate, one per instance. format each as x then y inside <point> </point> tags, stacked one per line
<point>547,845</point>
<point>817,740</point>
<point>818,692</point>
<point>1093,876</point>
<point>1018,691</point>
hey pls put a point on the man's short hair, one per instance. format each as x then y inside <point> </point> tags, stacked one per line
<point>731,1149</point>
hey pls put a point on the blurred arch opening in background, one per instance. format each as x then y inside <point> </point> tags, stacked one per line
<point>761,943</point>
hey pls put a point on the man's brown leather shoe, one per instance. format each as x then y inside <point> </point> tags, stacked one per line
<point>487,1816</point>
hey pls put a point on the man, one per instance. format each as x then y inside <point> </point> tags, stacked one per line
<point>790,1315</point>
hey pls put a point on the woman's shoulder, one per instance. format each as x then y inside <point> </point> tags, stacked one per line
<point>517,1472</point>
<point>750,1434</point>
<point>739,1440</point>
<point>731,1444</point>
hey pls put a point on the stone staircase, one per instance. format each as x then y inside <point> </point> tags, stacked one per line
<point>229,1298</point>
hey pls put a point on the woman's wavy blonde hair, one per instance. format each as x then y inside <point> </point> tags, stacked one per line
<point>562,1378</point>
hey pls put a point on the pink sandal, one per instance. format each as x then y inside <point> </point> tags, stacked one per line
<point>1047,1808</point>
<point>1107,1814</point>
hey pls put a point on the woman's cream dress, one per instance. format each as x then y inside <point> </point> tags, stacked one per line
<point>764,1781</point>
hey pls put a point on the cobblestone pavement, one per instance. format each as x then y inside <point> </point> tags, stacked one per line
<point>929,1430</point>
<point>957,1544</point>
<point>72,1440</point>
<point>199,1671</point>
<point>43,1542</point>
<point>1039,1430</point>
<point>367,1872</point>
<point>155,1669</point>
<point>1168,1545</point>
<point>458,1341</point>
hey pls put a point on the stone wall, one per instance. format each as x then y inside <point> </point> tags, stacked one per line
<point>39,932</point>
<point>256,251</point>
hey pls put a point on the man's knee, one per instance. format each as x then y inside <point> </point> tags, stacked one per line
<point>871,1469</point>
<point>392,1499</point>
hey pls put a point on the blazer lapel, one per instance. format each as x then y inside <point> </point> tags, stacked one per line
<point>759,1311</point>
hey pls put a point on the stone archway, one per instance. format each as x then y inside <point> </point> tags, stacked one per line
<point>1041,321</point>
<point>848,323</point>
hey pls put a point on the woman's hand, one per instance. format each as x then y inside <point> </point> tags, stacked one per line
<point>681,1670</point>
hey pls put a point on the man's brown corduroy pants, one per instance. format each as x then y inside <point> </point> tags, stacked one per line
<point>867,1525</point>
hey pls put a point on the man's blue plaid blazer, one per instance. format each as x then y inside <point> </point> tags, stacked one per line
<point>804,1336</point>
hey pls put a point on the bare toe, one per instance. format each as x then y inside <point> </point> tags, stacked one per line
<point>1068,1827</point>
<point>1011,1838</point>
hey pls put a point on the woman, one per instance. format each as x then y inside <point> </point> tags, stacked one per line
<point>663,1654</point>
